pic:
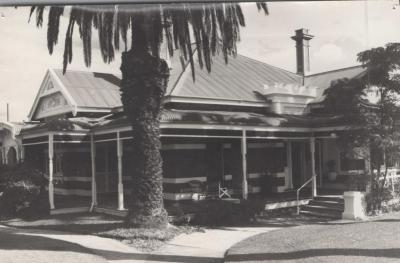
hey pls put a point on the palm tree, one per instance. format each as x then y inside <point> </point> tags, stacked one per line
<point>212,28</point>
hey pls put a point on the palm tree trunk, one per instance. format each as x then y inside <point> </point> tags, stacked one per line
<point>144,82</point>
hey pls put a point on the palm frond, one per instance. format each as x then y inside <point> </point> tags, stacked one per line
<point>68,38</point>
<point>39,14</point>
<point>86,36</point>
<point>263,6</point>
<point>205,29</point>
<point>53,27</point>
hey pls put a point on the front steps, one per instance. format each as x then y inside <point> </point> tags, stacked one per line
<point>325,206</point>
<point>286,204</point>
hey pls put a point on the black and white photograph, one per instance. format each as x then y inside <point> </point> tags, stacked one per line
<point>199,131</point>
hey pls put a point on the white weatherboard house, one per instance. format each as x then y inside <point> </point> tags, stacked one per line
<point>253,129</point>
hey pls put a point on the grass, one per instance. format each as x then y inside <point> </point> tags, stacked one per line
<point>286,217</point>
<point>374,240</point>
<point>105,226</point>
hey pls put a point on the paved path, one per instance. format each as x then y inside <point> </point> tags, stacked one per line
<point>26,245</point>
<point>209,246</point>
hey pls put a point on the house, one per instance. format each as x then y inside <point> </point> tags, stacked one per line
<point>245,118</point>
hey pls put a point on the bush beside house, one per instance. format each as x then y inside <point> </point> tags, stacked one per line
<point>383,199</point>
<point>219,212</point>
<point>375,129</point>
<point>22,191</point>
<point>377,199</point>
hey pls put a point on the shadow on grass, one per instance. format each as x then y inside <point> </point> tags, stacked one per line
<point>254,225</point>
<point>309,253</point>
<point>387,220</point>
<point>111,255</point>
<point>294,220</point>
<point>290,221</point>
<point>372,220</point>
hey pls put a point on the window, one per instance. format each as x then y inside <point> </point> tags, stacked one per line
<point>351,164</point>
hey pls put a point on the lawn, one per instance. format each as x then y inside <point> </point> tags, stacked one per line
<point>375,240</point>
<point>104,226</point>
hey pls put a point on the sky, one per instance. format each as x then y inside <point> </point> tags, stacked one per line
<point>340,30</point>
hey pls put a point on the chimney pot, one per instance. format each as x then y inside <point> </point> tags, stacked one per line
<point>302,39</point>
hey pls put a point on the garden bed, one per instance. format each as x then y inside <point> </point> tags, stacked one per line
<point>147,240</point>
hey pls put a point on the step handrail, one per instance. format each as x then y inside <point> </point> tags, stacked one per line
<point>298,192</point>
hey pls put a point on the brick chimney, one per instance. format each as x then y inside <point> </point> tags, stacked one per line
<point>302,39</point>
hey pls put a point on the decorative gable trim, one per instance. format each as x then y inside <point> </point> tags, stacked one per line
<point>46,79</point>
<point>55,95</point>
<point>64,92</point>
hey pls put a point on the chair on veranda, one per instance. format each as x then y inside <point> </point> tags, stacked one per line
<point>218,190</point>
<point>223,191</point>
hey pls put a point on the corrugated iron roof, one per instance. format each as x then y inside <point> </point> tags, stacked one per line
<point>324,79</point>
<point>91,89</point>
<point>237,80</point>
<point>101,90</point>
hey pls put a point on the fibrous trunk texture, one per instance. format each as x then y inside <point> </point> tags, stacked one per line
<point>143,85</point>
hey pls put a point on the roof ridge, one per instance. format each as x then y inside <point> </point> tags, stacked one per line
<point>334,70</point>
<point>179,78</point>
<point>83,71</point>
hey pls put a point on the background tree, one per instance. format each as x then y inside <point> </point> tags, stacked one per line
<point>211,28</point>
<point>374,124</point>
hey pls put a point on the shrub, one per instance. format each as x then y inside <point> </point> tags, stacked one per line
<point>356,182</point>
<point>385,201</point>
<point>22,191</point>
<point>213,213</point>
<point>391,205</point>
<point>223,213</point>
